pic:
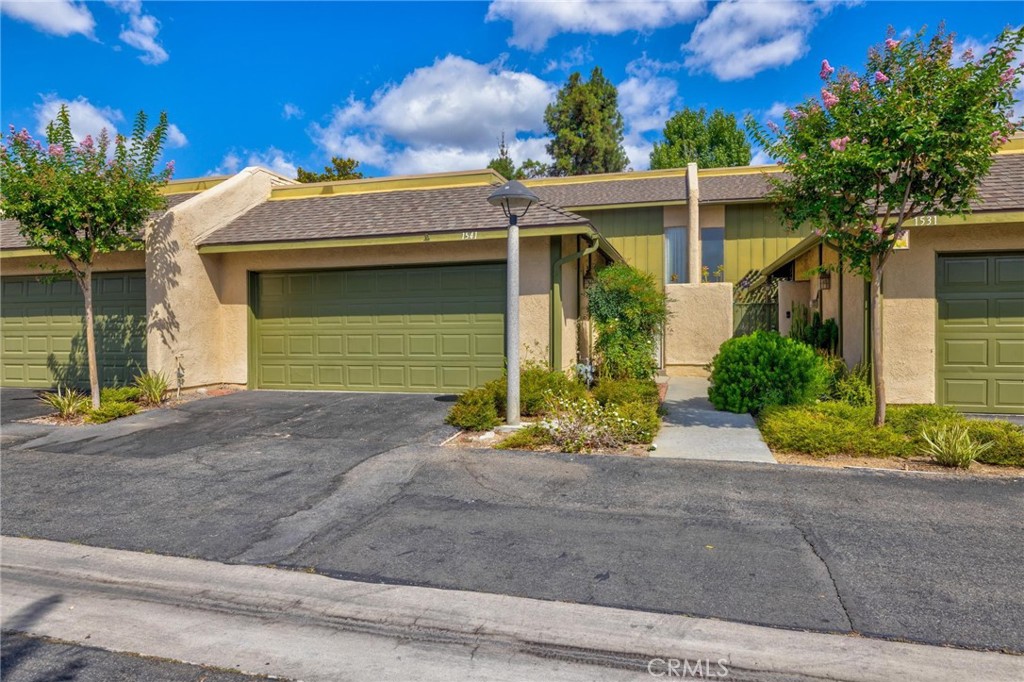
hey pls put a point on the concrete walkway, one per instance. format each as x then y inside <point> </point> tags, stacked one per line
<point>694,429</point>
<point>297,625</point>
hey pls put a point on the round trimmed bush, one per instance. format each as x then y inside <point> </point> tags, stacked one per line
<point>752,372</point>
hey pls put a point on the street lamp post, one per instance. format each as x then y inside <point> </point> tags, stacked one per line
<point>515,200</point>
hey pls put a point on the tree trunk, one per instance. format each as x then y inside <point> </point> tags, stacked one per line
<point>90,337</point>
<point>877,356</point>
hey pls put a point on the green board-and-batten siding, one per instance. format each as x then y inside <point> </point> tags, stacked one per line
<point>754,237</point>
<point>42,330</point>
<point>636,233</point>
<point>430,329</point>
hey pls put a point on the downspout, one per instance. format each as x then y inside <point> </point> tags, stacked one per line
<point>556,297</point>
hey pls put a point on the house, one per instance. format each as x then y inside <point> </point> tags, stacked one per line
<point>397,284</point>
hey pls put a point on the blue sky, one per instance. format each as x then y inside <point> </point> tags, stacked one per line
<point>411,87</point>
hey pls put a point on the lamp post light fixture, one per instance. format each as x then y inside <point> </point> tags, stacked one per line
<point>515,200</point>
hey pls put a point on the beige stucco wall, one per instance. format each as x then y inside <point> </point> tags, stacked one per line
<point>700,320</point>
<point>909,308</point>
<point>710,216</point>
<point>185,314</point>
<point>790,293</point>
<point>105,262</point>
<point>232,287</point>
<point>853,319</point>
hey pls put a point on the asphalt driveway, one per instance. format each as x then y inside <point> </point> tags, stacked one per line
<point>355,486</point>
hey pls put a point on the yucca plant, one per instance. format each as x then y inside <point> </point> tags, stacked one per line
<point>951,446</point>
<point>153,386</point>
<point>68,402</point>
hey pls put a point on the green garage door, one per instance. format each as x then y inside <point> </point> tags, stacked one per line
<point>42,327</point>
<point>980,344</point>
<point>425,329</point>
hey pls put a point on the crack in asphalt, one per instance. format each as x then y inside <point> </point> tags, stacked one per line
<point>828,570</point>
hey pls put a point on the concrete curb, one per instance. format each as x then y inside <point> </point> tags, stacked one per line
<point>307,626</point>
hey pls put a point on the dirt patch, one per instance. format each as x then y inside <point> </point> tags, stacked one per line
<point>488,439</point>
<point>170,403</point>
<point>897,464</point>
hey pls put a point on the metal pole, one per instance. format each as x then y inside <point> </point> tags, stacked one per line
<point>512,322</point>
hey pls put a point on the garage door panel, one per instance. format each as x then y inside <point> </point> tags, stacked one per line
<point>401,329</point>
<point>980,332</point>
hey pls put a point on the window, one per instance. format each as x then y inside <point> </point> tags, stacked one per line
<point>712,253</point>
<point>675,255</point>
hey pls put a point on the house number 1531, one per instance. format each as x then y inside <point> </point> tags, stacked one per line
<point>926,220</point>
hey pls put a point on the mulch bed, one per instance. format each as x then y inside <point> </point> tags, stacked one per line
<point>170,403</point>
<point>918,464</point>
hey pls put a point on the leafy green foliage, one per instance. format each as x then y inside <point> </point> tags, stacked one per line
<point>111,411</point>
<point>152,386</point>
<point>508,169</point>
<point>951,445</point>
<point>913,135</point>
<point>341,168</point>
<point>120,394</point>
<point>854,389</point>
<point>628,311</point>
<point>620,391</point>
<point>752,372</point>
<point>691,135</point>
<point>639,423</point>
<point>76,200</point>
<point>818,333</point>
<point>586,127</point>
<point>474,411</point>
<point>529,437</point>
<point>68,402</point>
<point>836,428</point>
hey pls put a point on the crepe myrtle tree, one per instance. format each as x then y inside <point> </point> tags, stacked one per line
<point>76,200</point>
<point>899,145</point>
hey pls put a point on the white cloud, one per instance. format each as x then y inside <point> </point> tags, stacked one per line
<point>175,138</point>
<point>272,157</point>
<point>535,22</point>
<point>86,118</point>
<point>291,111</point>
<point>776,110</point>
<point>577,56</point>
<point>760,158</point>
<point>441,117</point>
<point>646,100</point>
<point>58,17</point>
<point>142,31</point>
<point>741,38</point>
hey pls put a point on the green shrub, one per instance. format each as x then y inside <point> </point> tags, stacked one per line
<point>152,386</point>
<point>527,438</point>
<point>951,445</point>
<point>536,384</point>
<point>831,429</point>
<point>853,390</point>
<point>752,372</point>
<point>581,424</point>
<point>120,394</point>
<point>1007,441</point>
<point>628,310</point>
<point>474,411</point>
<point>910,420</point>
<point>618,391</point>
<point>639,422</point>
<point>111,411</point>
<point>68,402</point>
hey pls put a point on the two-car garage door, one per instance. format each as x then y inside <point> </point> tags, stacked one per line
<point>42,328</point>
<point>415,329</point>
<point>980,332</point>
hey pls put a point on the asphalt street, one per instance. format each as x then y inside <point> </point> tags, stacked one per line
<point>354,486</point>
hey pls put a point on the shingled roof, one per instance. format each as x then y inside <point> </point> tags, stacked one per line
<point>11,239</point>
<point>601,191</point>
<point>380,214</point>
<point>1003,188</point>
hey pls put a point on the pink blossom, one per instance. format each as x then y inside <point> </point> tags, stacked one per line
<point>839,144</point>
<point>773,126</point>
<point>24,136</point>
<point>86,144</point>
<point>170,167</point>
<point>829,99</point>
<point>855,86</point>
<point>863,140</point>
<point>878,229</point>
<point>891,44</point>
<point>56,150</point>
<point>796,113</point>
<point>803,157</point>
<point>1007,76</point>
<point>881,77</point>
<point>968,55</point>
<point>826,70</point>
